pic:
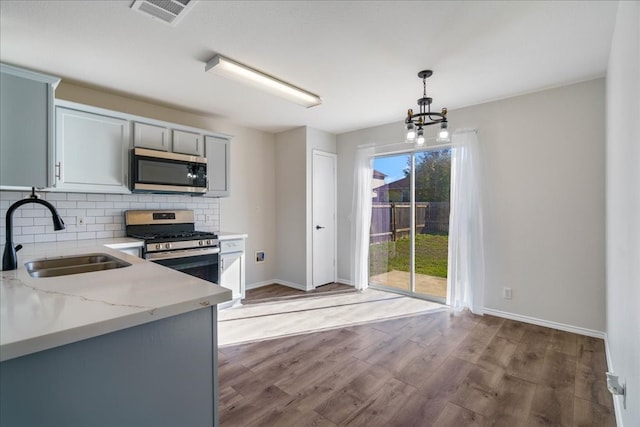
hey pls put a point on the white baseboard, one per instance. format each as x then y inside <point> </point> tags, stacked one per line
<point>546,323</point>
<point>259,284</point>
<point>617,400</point>
<point>344,282</point>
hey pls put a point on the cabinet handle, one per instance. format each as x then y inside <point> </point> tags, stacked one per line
<point>222,264</point>
<point>58,170</point>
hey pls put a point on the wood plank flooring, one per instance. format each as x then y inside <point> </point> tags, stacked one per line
<point>438,369</point>
<point>279,292</point>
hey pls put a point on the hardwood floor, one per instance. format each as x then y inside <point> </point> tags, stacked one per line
<point>277,292</point>
<point>437,369</point>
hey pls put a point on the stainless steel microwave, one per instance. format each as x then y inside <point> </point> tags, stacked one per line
<point>154,171</point>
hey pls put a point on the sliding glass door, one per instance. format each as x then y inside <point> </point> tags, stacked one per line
<point>410,223</point>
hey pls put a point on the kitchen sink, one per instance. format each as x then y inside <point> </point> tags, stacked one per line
<point>63,266</point>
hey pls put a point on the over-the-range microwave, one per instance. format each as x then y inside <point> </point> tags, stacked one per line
<point>154,171</point>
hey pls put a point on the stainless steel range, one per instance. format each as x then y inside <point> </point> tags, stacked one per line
<point>170,239</point>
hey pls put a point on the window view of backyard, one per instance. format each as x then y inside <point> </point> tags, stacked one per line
<point>391,234</point>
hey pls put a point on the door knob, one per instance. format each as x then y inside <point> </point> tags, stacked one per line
<point>318,227</point>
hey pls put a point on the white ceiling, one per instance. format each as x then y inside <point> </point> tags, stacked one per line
<point>361,57</point>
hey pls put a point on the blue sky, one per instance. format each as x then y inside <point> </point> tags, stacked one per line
<point>392,166</point>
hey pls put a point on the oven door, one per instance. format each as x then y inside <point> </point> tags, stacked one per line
<point>202,263</point>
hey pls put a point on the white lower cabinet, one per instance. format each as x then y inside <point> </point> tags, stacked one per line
<point>91,152</point>
<point>231,268</point>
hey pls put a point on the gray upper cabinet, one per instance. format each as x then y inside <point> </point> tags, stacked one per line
<point>187,143</point>
<point>91,152</point>
<point>217,152</point>
<point>26,130</point>
<point>151,136</point>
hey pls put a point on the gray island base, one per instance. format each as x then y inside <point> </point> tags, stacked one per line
<point>162,373</point>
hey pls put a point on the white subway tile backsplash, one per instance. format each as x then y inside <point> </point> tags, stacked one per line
<point>96,197</point>
<point>67,204</point>
<point>55,196</point>
<point>18,222</point>
<point>76,196</point>
<point>66,236</point>
<point>36,229</point>
<point>44,238</point>
<point>103,214</point>
<point>23,238</point>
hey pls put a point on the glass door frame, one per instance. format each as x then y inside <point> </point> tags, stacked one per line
<point>412,152</point>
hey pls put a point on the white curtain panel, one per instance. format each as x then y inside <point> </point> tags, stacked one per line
<point>361,217</point>
<point>466,273</point>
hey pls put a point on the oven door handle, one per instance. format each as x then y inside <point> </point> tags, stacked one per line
<point>181,254</point>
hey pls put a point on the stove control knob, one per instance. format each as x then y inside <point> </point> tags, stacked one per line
<point>158,246</point>
<point>167,245</point>
<point>208,242</point>
<point>200,243</point>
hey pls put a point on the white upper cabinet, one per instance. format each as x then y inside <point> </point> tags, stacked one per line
<point>151,136</point>
<point>26,128</point>
<point>91,152</point>
<point>187,143</point>
<point>217,153</point>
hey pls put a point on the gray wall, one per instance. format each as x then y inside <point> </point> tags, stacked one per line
<point>623,209</point>
<point>544,201</point>
<point>294,158</point>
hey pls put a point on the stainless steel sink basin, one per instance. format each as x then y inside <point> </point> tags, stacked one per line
<point>63,266</point>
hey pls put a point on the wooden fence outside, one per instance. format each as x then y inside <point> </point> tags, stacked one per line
<point>391,221</point>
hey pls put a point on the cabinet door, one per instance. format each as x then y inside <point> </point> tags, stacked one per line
<point>26,128</point>
<point>91,152</point>
<point>217,152</point>
<point>232,274</point>
<point>187,143</point>
<point>150,136</point>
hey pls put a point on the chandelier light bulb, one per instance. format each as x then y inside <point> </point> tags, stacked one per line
<point>411,133</point>
<point>443,133</point>
<point>420,138</point>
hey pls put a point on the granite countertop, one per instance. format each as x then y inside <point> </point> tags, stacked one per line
<point>41,313</point>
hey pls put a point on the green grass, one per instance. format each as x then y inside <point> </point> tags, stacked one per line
<point>431,255</point>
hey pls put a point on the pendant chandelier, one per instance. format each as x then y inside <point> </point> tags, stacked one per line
<point>416,122</point>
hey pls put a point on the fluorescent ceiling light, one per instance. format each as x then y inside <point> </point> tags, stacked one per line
<point>233,69</point>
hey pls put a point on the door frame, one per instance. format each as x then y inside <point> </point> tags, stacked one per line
<point>412,152</point>
<point>334,160</point>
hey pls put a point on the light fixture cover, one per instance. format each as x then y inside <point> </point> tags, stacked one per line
<point>238,71</point>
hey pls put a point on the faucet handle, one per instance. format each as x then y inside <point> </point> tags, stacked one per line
<point>18,247</point>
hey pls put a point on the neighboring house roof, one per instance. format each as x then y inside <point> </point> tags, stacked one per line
<point>378,175</point>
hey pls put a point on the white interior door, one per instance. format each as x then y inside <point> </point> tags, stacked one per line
<point>324,218</point>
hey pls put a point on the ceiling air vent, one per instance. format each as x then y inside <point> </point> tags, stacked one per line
<point>167,11</point>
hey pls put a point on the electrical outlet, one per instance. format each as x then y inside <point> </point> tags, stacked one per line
<point>260,256</point>
<point>81,220</point>
<point>506,293</point>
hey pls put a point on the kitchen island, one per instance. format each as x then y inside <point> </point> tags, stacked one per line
<point>129,346</point>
